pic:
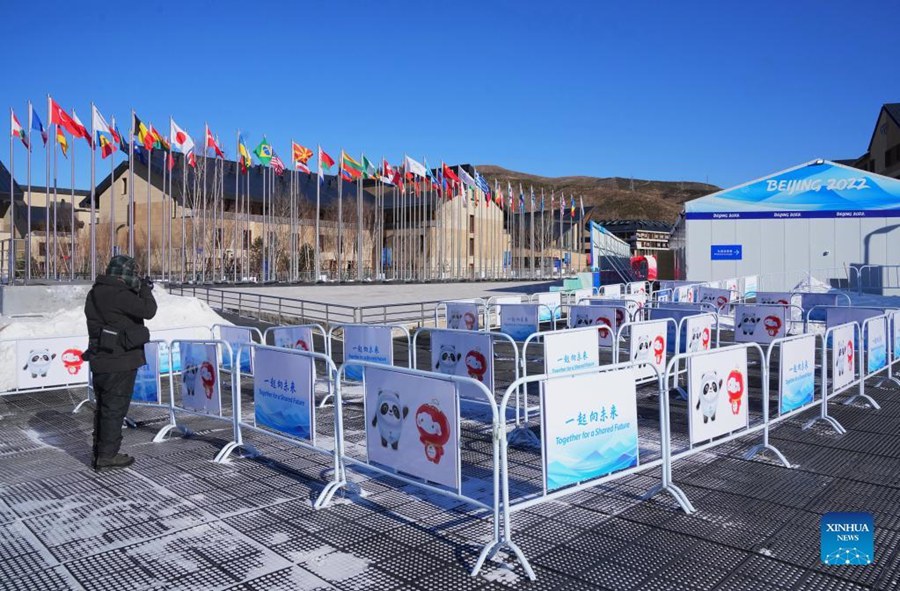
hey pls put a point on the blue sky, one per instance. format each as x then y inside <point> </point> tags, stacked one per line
<point>664,90</point>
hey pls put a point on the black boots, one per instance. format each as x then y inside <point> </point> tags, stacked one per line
<point>117,461</point>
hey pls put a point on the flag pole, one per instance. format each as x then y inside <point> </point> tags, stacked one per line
<point>131,189</point>
<point>11,272</point>
<point>112,193</point>
<point>237,209</point>
<point>320,178</point>
<point>56,205</point>
<point>340,242</point>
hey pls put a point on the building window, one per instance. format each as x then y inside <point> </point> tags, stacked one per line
<point>472,223</point>
<point>248,238</point>
<point>471,247</point>
<point>124,186</point>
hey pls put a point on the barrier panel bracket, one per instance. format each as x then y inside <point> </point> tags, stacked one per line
<point>492,548</point>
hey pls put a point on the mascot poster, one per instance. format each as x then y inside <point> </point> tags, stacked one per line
<point>607,319</point>
<point>54,361</point>
<point>843,356</point>
<point>146,384</point>
<point>283,393</point>
<point>718,390</point>
<point>200,387</point>
<point>236,336</point>
<point>759,324</point>
<point>571,350</point>
<point>373,344</point>
<point>519,321</point>
<point>698,333</point>
<point>797,377</point>
<point>293,337</point>
<point>462,315</point>
<point>648,346</point>
<point>714,296</point>
<point>466,355</point>
<point>412,425</point>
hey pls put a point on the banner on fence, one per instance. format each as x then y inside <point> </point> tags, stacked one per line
<point>895,324</point>
<point>685,293</point>
<point>462,315</point>
<point>582,294</point>
<point>843,357</point>
<point>606,319</point>
<point>797,376</point>
<point>715,296</point>
<point>750,284</point>
<point>374,344</point>
<point>175,334</point>
<point>146,383</point>
<point>876,345</point>
<point>698,330</point>
<point>501,301</point>
<point>590,426</point>
<point>614,289</point>
<point>200,387</point>
<point>54,361</point>
<point>810,300</point>
<point>519,320</point>
<point>759,324</point>
<point>551,302</point>
<point>236,336</point>
<point>293,337</point>
<point>464,354</point>
<point>671,329</point>
<point>843,315</point>
<point>717,387</point>
<point>412,425</point>
<point>648,346</point>
<point>773,298</point>
<point>637,287</point>
<point>283,387</point>
<point>566,351</point>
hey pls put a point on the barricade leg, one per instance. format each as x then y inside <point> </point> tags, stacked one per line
<point>862,394</point>
<point>90,398</point>
<point>667,485</point>
<point>824,416</point>
<point>765,445</point>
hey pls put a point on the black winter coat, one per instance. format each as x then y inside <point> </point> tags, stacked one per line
<point>112,303</point>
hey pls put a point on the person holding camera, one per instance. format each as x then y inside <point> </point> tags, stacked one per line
<point>116,307</point>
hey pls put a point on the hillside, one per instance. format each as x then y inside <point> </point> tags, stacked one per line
<point>614,198</point>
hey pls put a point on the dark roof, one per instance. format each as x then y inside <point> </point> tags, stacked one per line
<point>635,225</point>
<point>893,111</point>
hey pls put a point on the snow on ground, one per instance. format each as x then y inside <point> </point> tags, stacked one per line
<point>173,312</point>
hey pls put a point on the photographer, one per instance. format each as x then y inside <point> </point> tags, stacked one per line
<point>116,308</point>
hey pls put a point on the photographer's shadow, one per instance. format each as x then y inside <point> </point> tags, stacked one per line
<point>63,431</point>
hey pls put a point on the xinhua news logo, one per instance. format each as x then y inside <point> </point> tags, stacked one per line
<point>847,538</point>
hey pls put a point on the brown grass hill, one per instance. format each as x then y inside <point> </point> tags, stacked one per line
<point>611,198</point>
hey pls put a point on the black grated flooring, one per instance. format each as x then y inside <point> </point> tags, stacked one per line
<point>177,520</point>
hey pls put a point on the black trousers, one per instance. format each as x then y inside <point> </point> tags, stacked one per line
<point>112,393</point>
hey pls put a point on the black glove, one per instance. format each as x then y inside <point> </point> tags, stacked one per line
<point>146,283</point>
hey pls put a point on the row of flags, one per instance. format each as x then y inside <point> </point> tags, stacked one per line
<point>108,138</point>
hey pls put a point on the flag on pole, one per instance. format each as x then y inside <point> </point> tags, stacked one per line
<point>60,117</point>
<point>465,178</point>
<point>521,200</point>
<point>369,169</point>
<point>483,185</point>
<point>244,155</point>
<point>264,152</point>
<point>413,167</point>
<point>581,203</point>
<point>82,130</point>
<point>142,133</point>
<point>448,172</point>
<point>61,140</point>
<point>300,156</point>
<point>16,129</point>
<point>532,199</point>
<point>36,124</point>
<point>170,161</point>
<point>180,138</point>
<point>212,143</point>
<point>277,164</point>
<point>159,142</point>
<point>118,137</point>
<point>498,197</point>
<point>387,173</point>
<point>106,147</point>
<point>100,127</point>
<point>351,167</point>
<point>542,201</point>
<point>327,161</point>
<point>572,207</point>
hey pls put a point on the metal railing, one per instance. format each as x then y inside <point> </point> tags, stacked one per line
<point>874,279</point>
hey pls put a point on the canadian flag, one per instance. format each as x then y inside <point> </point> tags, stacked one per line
<point>180,139</point>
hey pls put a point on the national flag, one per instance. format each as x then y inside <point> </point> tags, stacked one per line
<point>581,203</point>
<point>180,138</point>
<point>16,129</point>
<point>562,205</point>
<point>100,126</point>
<point>142,133</point>
<point>448,172</point>
<point>521,200</point>
<point>498,196</point>
<point>159,142</point>
<point>244,158</point>
<point>264,152</point>
<point>413,167</point>
<point>118,137</point>
<point>300,156</point>
<point>82,130</point>
<point>482,184</point>
<point>351,167</point>
<point>60,117</point>
<point>170,161</point>
<point>277,164</point>
<point>465,178</point>
<point>542,201</point>
<point>61,140</point>
<point>35,123</point>
<point>387,172</point>
<point>572,208</point>
<point>325,159</point>
<point>106,146</point>
<point>369,169</point>
<point>212,143</point>
<point>192,160</point>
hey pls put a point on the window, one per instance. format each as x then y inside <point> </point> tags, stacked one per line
<point>321,241</point>
<point>248,238</point>
<point>472,223</point>
<point>124,186</point>
<point>421,243</point>
<point>471,247</point>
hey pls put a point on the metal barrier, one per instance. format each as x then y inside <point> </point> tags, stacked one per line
<point>848,350</point>
<point>538,322</point>
<point>875,278</point>
<point>344,355</point>
<point>274,330</point>
<point>696,341</point>
<point>873,364</point>
<point>808,319</point>
<point>480,311</point>
<point>613,289</point>
<point>894,337</point>
<point>221,332</point>
<point>706,403</point>
<point>45,364</point>
<point>408,477</point>
<point>648,349</point>
<point>533,497</point>
<point>192,373</point>
<point>494,304</point>
<point>239,424</point>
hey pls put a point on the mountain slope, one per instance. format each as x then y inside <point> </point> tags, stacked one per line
<point>613,198</point>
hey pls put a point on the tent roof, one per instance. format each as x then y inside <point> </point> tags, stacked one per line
<point>819,188</point>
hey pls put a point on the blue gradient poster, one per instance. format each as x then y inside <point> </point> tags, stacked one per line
<point>236,337</point>
<point>798,373</point>
<point>895,323</point>
<point>283,392</point>
<point>876,345</point>
<point>146,383</point>
<point>519,320</point>
<point>372,344</point>
<point>590,427</point>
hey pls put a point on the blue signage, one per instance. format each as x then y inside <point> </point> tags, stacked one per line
<point>726,252</point>
<point>847,539</point>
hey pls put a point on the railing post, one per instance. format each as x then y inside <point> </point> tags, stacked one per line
<point>279,311</point>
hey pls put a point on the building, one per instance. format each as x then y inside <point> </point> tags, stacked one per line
<point>883,154</point>
<point>817,219</point>
<point>645,237</point>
